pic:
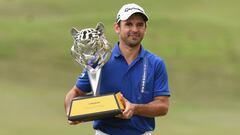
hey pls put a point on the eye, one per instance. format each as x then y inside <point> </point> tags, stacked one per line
<point>128,24</point>
<point>90,36</point>
<point>84,34</point>
<point>140,25</point>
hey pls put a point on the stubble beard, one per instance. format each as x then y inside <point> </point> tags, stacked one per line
<point>133,41</point>
<point>133,44</point>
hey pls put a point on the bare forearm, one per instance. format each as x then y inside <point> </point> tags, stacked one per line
<point>158,107</point>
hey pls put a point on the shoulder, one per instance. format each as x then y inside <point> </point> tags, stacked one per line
<point>153,58</point>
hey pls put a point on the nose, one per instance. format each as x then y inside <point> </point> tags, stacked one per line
<point>134,28</point>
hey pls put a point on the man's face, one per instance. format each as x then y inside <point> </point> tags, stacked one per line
<point>132,30</point>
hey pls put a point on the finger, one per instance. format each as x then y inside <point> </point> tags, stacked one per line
<point>125,116</point>
<point>74,122</point>
<point>128,114</point>
<point>122,116</point>
<point>126,111</point>
<point>123,101</point>
<point>119,116</point>
<point>123,98</point>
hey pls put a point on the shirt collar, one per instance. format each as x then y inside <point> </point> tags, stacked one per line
<point>116,51</point>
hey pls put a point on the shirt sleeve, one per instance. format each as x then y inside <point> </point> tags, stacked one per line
<point>83,82</point>
<point>161,87</point>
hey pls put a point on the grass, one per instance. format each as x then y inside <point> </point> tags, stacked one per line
<point>199,40</point>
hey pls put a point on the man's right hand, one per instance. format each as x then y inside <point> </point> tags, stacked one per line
<point>74,92</point>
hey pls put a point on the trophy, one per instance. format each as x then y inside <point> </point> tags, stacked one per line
<point>92,50</point>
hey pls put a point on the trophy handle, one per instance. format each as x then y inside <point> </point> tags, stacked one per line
<point>95,79</point>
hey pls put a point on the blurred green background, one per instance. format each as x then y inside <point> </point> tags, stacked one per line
<point>198,39</point>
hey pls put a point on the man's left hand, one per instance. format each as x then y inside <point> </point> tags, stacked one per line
<point>129,110</point>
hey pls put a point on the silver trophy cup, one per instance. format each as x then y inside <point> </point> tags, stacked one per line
<point>91,50</point>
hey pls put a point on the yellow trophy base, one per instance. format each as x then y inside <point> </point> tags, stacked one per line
<point>96,107</point>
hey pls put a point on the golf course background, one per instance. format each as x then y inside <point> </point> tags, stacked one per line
<point>198,39</point>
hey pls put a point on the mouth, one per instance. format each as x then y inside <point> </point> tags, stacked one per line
<point>133,35</point>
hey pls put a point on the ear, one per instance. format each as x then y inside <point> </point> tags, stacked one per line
<point>74,31</point>
<point>100,27</point>
<point>116,28</point>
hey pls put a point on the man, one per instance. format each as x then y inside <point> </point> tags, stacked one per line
<point>140,76</point>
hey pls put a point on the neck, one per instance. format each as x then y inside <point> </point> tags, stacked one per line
<point>129,53</point>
